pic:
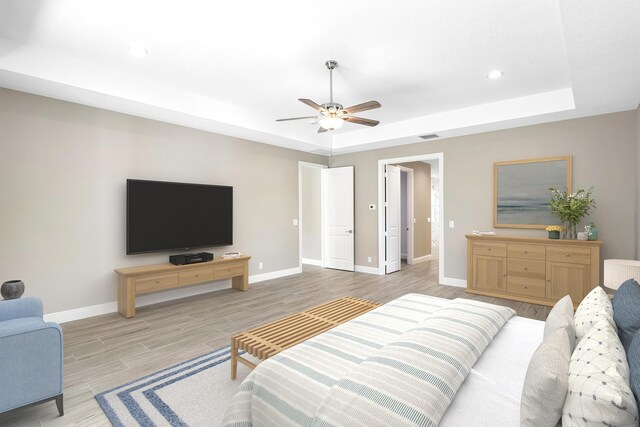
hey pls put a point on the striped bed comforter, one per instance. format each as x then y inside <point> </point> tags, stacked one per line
<point>400,364</point>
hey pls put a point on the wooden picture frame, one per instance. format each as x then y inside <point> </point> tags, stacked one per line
<point>521,191</point>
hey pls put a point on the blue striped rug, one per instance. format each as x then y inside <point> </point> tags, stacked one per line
<point>193,393</point>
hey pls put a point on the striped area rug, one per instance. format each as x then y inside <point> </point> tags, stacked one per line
<point>193,393</point>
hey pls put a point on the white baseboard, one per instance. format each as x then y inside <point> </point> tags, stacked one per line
<point>141,301</point>
<point>82,313</point>
<point>421,259</point>
<point>309,261</point>
<point>368,270</point>
<point>461,283</point>
<point>274,275</point>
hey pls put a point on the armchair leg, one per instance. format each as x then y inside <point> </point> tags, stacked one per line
<point>60,404</point>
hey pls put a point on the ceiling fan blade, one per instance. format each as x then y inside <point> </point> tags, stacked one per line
<point>362,107</point>
<point>361,121</point>
<point>310,103</point>
<point>321,129</point>
<point>296,118</point>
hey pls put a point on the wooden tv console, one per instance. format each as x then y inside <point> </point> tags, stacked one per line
<point>134,281</point>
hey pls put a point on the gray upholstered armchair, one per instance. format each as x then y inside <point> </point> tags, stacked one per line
<point>31,355</point>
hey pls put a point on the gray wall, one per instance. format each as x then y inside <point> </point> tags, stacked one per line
<point>421,207</point>
<point>311,213</point>
<point>604,150</point>
<point>63,168</point>
<point>638,184</point>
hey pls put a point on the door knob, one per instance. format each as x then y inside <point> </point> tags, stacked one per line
<point>349,231</point>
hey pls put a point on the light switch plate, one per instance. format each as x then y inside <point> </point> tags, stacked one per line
<point>295,222</point>
<point>451,224</point>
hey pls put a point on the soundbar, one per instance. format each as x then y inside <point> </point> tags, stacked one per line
<point>183,259</point>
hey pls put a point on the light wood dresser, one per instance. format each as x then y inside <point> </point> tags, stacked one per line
<point>134,281</point>
<point>533,270</point>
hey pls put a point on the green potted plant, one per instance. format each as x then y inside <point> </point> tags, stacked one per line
<point>571,208</point>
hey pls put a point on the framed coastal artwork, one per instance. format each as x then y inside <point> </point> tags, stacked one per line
<point>521,191</point>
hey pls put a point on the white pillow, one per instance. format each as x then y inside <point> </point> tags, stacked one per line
<point>599,392</point>
<point>561,317</point>
<point>594,307</point>
<point>546,384</point>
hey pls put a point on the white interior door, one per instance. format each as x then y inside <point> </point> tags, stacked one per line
<point>392,218</point>
<point>337,195</point>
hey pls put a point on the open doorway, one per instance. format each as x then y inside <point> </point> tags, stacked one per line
<point>425,202</point>
<point>310,213</point>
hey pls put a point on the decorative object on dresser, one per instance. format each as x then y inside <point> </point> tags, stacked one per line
<point>618,271</point>
<point>554,231</point>
<point>153,278</point>
<point>571,207</point>
<point>591,231</point>
<point>521,190</point>
<point>533,270</point>
<point>12,289</point>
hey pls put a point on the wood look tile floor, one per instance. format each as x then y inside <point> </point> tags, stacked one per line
<point>106,351</point>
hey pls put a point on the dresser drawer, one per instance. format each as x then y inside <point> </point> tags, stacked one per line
<point>156,282</point>
<point>228,270</point>
<point>198,275</point>
<point>529,288</point>
<point>490,248</point>
<point>570,254</point>
<point>526,268</point>
<point>526,251</point>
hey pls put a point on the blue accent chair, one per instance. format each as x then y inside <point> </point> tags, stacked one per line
<point>31,355</point>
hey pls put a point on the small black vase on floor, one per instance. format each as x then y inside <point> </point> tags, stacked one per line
<point>12,289</point>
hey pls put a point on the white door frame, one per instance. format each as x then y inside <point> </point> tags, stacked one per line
<point>433,156</point>
<point>410,213</point>
<point>300,219</point>
<point>393,218</point>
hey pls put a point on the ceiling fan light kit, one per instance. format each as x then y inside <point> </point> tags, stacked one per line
<point>333,115</point>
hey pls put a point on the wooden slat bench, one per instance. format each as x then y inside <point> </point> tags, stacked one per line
<point>270,339</point>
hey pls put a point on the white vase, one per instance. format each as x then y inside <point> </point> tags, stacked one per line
<point>583,235</point>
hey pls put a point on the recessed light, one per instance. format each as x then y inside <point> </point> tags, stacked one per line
<point>137,50</point>
<point>495,74</point>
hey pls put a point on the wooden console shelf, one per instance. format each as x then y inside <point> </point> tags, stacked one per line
<point>533,270</point>
<point>153,278</point>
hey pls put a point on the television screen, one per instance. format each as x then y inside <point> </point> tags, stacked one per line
<point>164,216</point>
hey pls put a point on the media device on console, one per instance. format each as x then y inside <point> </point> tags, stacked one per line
<point>183,259</point>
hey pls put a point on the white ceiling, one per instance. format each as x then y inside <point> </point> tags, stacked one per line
<point>235,67</point>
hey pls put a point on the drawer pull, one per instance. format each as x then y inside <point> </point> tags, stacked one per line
<point>197,275</point>
<point>526,268</point>
<point>157,281</point>
<point>489,249</point>
<point>567,255</point>
<point>526,252</point>
<point>526,287</point>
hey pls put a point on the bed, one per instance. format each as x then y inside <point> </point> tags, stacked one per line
<point>334,377</point>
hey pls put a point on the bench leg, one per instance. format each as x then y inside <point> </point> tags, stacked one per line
<point>234,359</point>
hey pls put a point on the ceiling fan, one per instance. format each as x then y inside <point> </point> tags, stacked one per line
<point>333,115</point>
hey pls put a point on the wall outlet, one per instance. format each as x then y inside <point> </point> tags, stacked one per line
<point>369,259</point>
<point>260,266</point>
<point>429,219</point>
<point>295,221</point>
<point>372,207</point>
<point>451,224</point>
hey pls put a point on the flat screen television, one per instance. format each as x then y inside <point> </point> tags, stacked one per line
<point>163,216</point>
